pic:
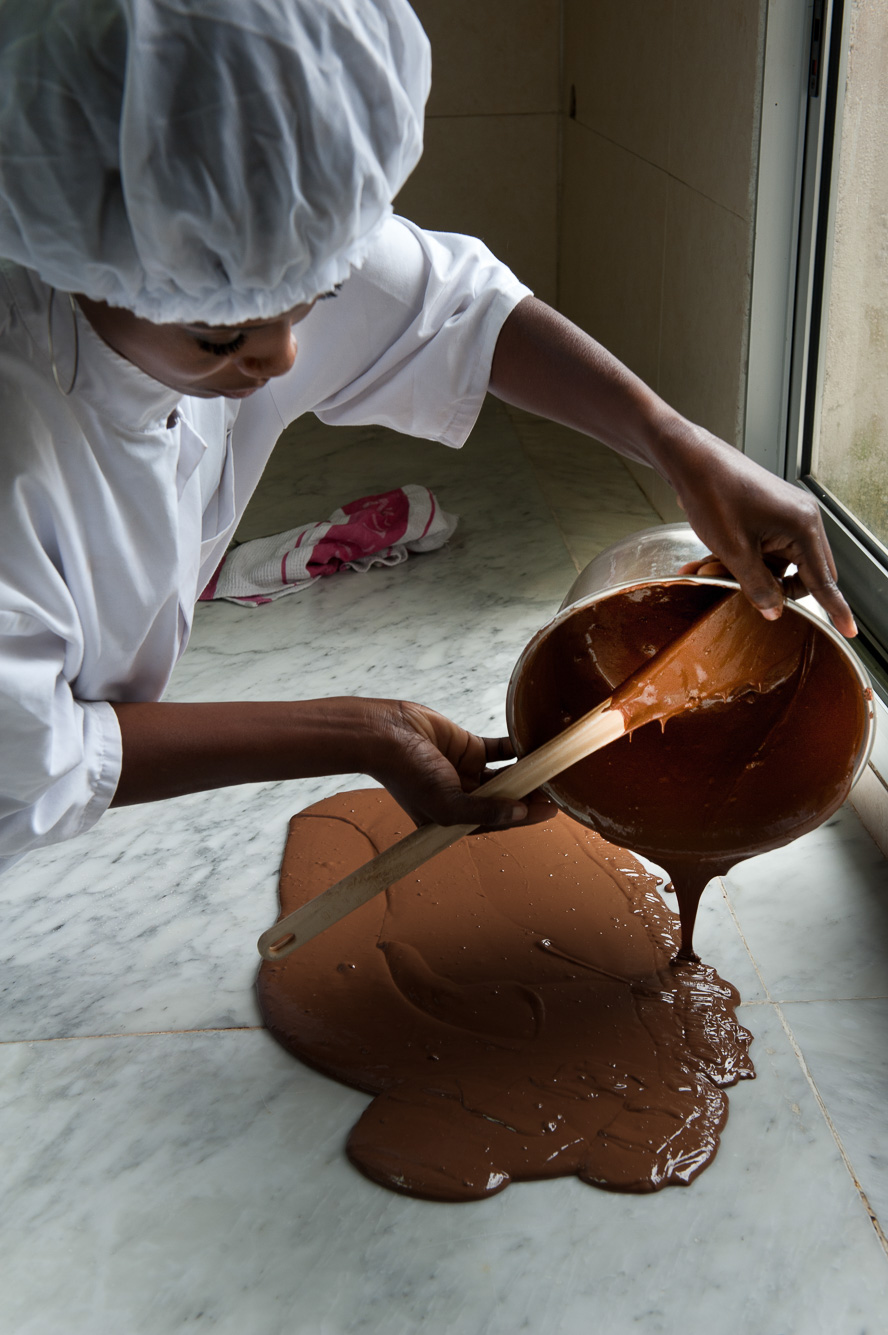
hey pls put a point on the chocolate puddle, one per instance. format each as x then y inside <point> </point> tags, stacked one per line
<point>710,787</point>
<point>511,1005</point>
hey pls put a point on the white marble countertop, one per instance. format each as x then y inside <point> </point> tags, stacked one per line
<point>168,1168</point>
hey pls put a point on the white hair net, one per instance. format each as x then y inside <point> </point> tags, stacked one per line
<point>204,160</point>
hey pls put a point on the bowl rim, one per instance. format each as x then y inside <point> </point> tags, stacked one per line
<point>817,618</point>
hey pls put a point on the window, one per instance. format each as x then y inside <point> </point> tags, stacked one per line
<point>837,419</point>
<point>818,328</point>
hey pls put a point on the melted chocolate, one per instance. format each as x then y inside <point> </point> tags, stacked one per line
<point>512,1007</point>
<point>728,654</point>
<point>716,784</point>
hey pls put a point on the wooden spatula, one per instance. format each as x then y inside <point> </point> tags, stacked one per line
<point>727,653</point>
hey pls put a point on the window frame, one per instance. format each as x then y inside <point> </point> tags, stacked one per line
<point>794,218</point>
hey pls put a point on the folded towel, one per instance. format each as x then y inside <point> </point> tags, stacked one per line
<point>376,530</point>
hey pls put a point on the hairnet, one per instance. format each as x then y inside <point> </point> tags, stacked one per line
<point>211,160</point>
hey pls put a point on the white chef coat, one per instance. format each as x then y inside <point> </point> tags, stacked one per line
<point>117,502</point>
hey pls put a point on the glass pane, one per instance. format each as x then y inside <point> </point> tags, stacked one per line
<point>850,458</point>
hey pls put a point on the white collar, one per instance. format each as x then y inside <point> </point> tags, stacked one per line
<point>105,380</point>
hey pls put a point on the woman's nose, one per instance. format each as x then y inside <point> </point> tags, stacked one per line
<point>270,352</point>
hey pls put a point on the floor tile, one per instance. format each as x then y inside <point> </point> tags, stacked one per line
<point>815,914</point>
<point>169,1183</point>
<point>593,497</point>
<point>843,1043</point>
<point>719,943</point>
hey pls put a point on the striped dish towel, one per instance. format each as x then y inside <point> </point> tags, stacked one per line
<point>376,530</point>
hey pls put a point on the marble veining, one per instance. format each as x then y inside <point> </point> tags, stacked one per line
<point>186,1174</point>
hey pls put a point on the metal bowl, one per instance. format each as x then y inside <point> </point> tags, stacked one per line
<point>654,556</point>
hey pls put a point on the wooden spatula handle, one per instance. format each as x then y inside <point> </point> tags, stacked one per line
<point>588,734</point>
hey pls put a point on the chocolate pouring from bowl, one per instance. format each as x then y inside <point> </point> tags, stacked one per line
<point>729,652</point>
<point>719,784</point>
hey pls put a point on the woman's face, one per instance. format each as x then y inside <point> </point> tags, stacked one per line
<point>208,361</point>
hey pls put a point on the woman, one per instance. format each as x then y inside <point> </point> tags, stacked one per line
<point>183,187</point>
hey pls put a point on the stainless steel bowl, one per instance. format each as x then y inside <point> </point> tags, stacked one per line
<point>654,556</point>
<point>646,557</point>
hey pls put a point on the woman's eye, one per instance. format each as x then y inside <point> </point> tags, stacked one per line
<point>222,349</point>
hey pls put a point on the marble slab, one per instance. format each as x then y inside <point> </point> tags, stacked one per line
<point>196,1181</point>
<point>153,925</point>
<point>815,913</point>
<point>870,801</point>
<point>843,1044</point>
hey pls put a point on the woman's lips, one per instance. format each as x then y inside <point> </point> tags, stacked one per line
<point>242,391</point>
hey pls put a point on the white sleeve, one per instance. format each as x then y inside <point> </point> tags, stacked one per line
<point>61,756</point>
<point>408,342</point>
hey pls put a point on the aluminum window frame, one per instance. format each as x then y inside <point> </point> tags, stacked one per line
<point>794,220</point>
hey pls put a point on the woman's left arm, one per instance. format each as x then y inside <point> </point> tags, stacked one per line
<point>545,364</point>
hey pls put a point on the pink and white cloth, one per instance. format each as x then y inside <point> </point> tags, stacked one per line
<point>375,530</point>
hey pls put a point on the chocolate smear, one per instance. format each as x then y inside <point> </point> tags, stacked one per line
<point>512,1007</point>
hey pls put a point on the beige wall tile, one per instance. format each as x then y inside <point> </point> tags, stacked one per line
<point>716,70</point>
<point>705,311</point>
<point>617,57</point>
<point>492,57</point>
<point>494,177</point>
<point>612,235</point>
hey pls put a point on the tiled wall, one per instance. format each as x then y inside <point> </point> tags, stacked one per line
<point>617,180</point>
<point>661,125</point>
<point>490,165</point>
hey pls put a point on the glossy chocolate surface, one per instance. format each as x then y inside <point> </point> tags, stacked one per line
<point>511,1005</point>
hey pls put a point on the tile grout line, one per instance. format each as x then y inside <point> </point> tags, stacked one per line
<point>800,1058</point>
<point>135,1033</point>
<point>873,1217</point>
